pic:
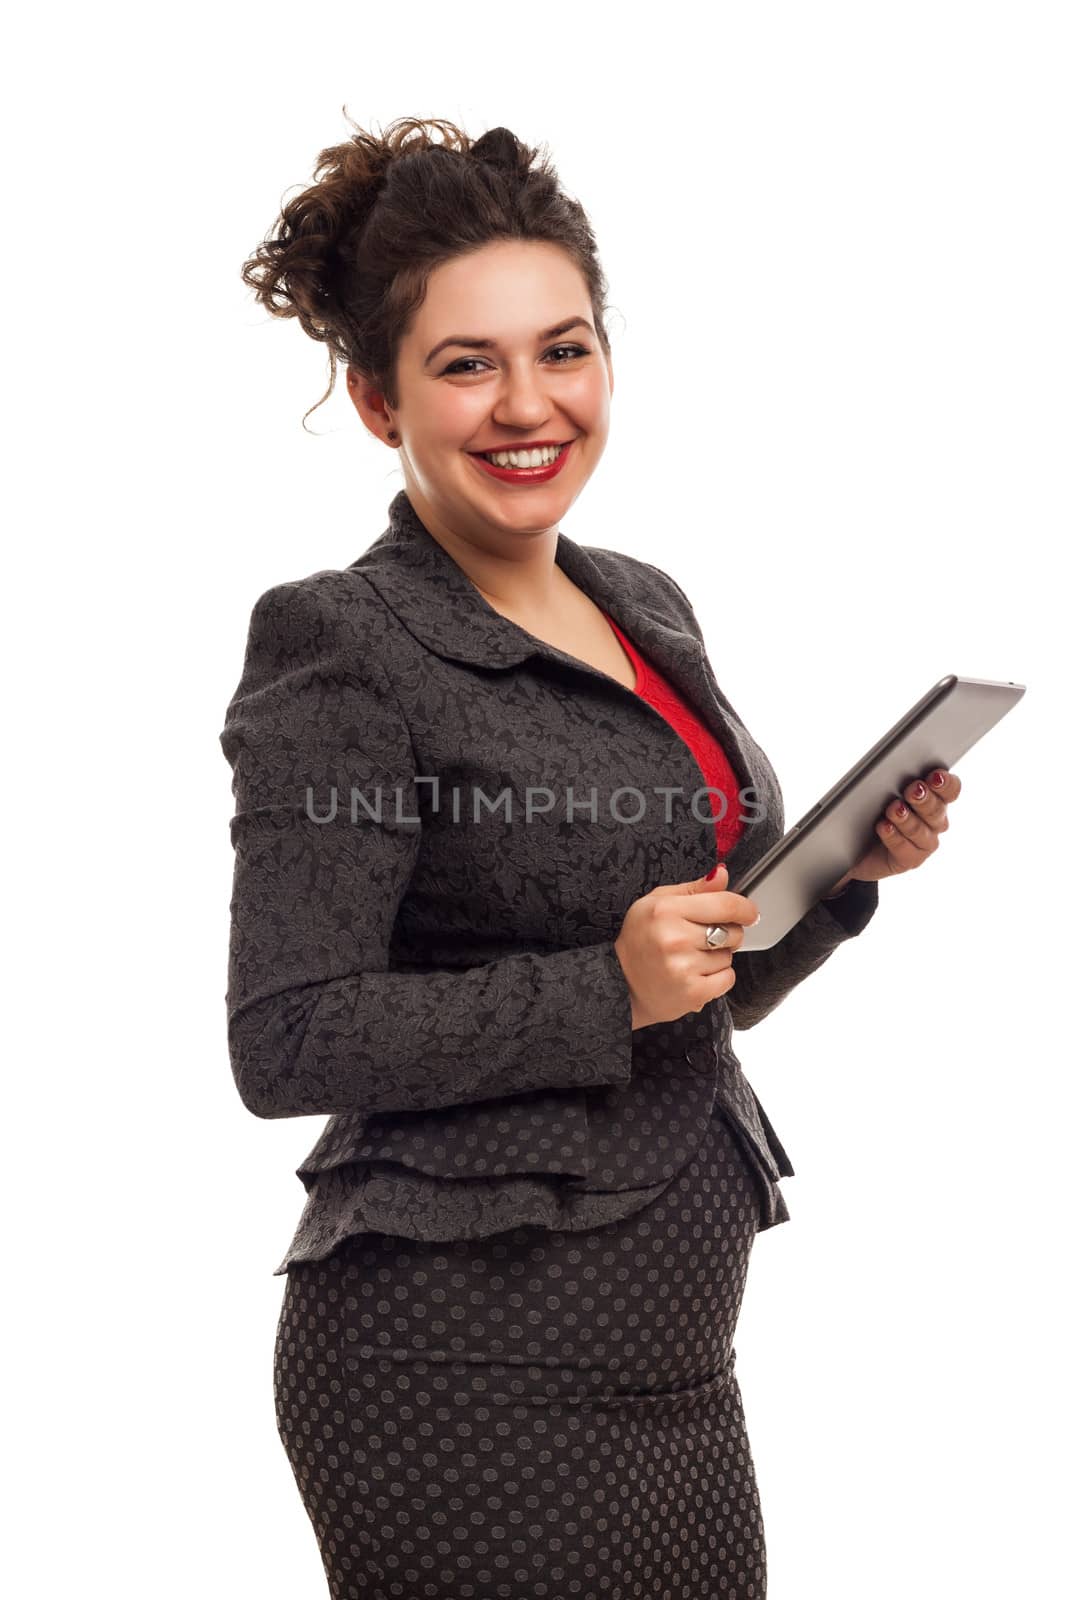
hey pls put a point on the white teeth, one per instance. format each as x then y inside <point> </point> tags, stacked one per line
<point>523,458</point>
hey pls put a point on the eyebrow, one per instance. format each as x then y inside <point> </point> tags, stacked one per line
<point>470,343</point>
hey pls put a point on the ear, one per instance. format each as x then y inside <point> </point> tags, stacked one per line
<point>370,404</point>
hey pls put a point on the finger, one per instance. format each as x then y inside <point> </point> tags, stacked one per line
<point>928,806</point>
<point>916,831</point>
<point>949,789</point>
<point>737,908</point>
<point>699,885</point>
<point>905,851</point>
<point>718,989</point>
<point>913,826</point>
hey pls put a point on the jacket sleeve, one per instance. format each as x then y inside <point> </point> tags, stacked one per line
<point>317,1023</point>
<point>765,977</point>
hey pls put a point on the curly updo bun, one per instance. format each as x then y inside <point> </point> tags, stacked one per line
<point>351,255</point>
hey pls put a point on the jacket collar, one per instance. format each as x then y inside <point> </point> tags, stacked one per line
<point>436,601</point>
<point>422,583</point>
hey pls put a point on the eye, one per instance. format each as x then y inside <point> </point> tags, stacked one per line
<point>577,350</point>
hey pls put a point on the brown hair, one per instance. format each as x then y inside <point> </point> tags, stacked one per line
<point>352,253</point>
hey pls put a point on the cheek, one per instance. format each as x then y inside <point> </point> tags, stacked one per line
<point>591,400</point>
<point>453,418</point>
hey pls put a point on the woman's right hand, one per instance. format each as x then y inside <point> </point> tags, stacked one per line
<point>663,951</point>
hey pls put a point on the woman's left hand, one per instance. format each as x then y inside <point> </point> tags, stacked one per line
<point>906,841</point>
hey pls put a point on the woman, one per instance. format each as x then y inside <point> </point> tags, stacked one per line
<point>504,1361</point>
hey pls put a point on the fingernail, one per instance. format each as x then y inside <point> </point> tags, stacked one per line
<point>937,780</point>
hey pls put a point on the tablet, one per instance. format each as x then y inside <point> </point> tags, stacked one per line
<point>801,867</point>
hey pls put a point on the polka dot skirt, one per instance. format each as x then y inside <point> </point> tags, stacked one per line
<point>536,1413</point>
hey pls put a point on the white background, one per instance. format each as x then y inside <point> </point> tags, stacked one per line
<point>834,240</point>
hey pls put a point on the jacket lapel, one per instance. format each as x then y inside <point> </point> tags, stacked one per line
<point>436,601</point>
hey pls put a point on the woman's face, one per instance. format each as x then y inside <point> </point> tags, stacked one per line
<point>523,386</point>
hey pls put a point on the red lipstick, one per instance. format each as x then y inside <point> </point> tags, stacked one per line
<point>524,474</point>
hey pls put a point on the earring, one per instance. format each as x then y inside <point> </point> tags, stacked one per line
<point>392,433</point>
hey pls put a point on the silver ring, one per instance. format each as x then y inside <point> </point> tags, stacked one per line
<point>717,936</point>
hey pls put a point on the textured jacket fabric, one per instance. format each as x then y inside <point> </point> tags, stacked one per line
<point>440,824</point>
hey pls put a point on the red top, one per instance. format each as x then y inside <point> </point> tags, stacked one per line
<point>707,752</point>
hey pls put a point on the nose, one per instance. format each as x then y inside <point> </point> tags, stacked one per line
<point>523,402</point>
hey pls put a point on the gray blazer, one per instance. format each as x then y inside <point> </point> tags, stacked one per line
<point>440,824</point>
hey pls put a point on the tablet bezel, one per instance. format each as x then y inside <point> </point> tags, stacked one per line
<point>790,877</point>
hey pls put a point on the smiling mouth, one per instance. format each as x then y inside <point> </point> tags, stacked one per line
<point>516,449</point>
<point>534,473</point>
